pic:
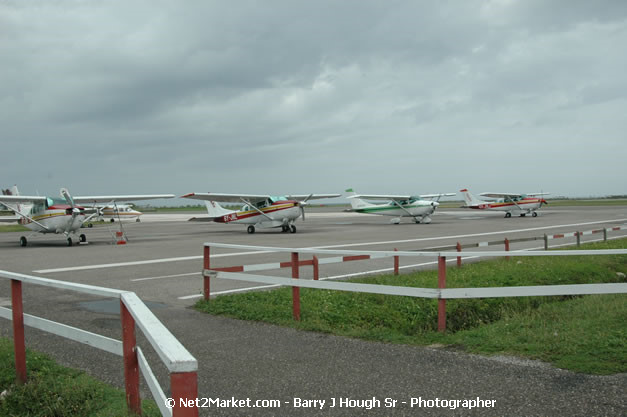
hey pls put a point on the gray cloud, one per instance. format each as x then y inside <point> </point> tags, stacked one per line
<point>284,96</point>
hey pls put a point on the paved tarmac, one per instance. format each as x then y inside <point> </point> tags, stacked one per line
<point>263,362</point>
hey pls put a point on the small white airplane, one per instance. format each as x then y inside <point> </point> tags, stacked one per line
<point>112,212</point>
<point>54,215</point>
<point>419,207</point>
<point>510,203</point>
<point>262,211</point>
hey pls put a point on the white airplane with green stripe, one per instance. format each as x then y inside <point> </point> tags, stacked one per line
<point>419,207</point>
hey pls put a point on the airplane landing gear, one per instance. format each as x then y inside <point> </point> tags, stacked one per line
<point>534,214</point>
<point>23,241</point>
<point>508,214</point>
<point>69,241</point>
<point>292,229</point>
<point>251,229</point>
<point>82,238</point>
<point>523,214</point>
<point>285,228</point>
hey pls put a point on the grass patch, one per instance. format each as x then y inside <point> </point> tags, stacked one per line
<point>13,228</point>
<point>54,390</point>
<point>578,346</point>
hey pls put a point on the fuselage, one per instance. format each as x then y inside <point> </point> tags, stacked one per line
<point>275,214</point>
<point>523,205</point>
<point>122,213</point>
<point>54,217</point>
<point>413,209</point>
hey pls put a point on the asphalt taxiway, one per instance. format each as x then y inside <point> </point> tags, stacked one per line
<point>162,263</point>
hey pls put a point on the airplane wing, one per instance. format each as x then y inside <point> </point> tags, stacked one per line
<point>397,197</point>
<point>302,197</point>
<point>381,197</point>
<point>10,199</point>
<point>112,198</point>
<point>227,198</point>
<point>511,195</point>
<point>438,196</point>
<point>501,195</point>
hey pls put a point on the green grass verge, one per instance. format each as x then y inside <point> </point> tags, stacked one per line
<point>587,328</point>
<point>54,390</point>
<point>13,228</point>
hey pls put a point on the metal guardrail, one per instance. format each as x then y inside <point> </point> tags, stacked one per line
<point>179,362</point>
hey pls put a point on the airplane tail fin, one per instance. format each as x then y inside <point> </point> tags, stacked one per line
<point>470,199</point>
<point>23,209</point>
<point>356,203</point>
<point>216,210</point>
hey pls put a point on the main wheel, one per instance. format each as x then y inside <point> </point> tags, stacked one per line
<point>69,241</point>
<point>137,220</point>
<point>251,229</point>
<point>523,214</point>
<point>82,238</point>
<point>23,241</point>
<point>285,228</point>
<point>508,214</point>
<point>292,229</point>
<point>535,214</point>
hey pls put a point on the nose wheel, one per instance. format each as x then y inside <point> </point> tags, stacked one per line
<point>251,229</point>
<point>23,241</point>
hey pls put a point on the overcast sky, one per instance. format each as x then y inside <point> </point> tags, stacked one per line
<point>112,97</point>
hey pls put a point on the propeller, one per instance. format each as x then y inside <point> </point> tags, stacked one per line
<point>302,205</point>
<point>75,211</point>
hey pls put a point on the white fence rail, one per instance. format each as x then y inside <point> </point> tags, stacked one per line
<point>179,362</point>
<point>441,293</point>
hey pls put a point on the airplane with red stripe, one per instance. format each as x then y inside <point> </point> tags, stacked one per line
<point>61,216</point>
<point>262,211</point>
<point>510,203</point>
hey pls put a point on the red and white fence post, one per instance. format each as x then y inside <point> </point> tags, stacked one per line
<point>396,262</point>
<point>316,268</point>
<point>184,385</point>
<point>459,258</point>
<point>441,301</point>
<point>295,290</point>
<point>18,331</point>
<point>131,363</point>
<point>206,280</point>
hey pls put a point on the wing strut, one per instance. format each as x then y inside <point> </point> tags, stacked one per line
<point>256,208</point>
<point>405,210</point>
<point>26,217</point>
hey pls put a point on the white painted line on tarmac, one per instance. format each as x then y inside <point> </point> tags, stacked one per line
<point>167,276</point>
<point>468,235</point>
<point>375,271</point>
<point>187,258</point>
<point>147,262</point>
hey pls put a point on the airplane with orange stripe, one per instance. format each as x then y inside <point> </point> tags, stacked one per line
<point>264,211</point>
<point>510,203</point>
<point>62,216</point>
